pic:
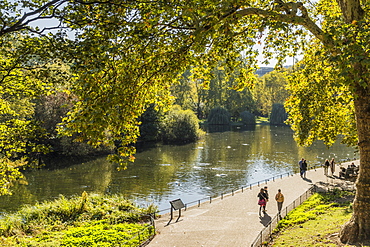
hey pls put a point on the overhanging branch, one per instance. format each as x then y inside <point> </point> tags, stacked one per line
<point>292,18</point>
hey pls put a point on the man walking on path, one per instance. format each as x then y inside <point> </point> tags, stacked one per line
<point>300,163</point>
<point>267,194</point>
<point>304,169</point>
<point>279,197</point>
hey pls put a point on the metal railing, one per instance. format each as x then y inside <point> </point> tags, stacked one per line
<point>265,234</point>
<point>141,237</point>
<point>232,192</point>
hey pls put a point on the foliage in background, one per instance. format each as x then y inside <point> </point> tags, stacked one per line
<point>74,221</point>
<point>271,89</point>
<point>180,126</point>
<point>150,126</point>
<point>190,93</point>
<point>278,114</point>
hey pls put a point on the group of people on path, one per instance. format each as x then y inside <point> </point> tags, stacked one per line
<point>330,164</point>
<point>263,198</point>
<point>263,195</point>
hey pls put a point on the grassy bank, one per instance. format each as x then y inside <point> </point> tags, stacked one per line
<point>89,220</point>
<point>316,222</point>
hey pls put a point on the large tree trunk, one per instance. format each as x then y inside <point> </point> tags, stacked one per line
<point>358,228</point>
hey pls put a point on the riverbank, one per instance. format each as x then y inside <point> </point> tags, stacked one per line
<point>233,220</point>
<point>89,220</point>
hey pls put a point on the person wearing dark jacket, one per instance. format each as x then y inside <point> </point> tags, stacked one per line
<point>262,200</point>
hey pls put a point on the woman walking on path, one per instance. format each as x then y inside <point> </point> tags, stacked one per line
<point>279,197</point>
<point>262,200</point>
<point>332,166</point>
<point>326,167</point>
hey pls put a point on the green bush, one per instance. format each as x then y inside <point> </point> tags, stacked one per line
<point>219,115</point>
<point>247,118</point>
<point>180,126</point>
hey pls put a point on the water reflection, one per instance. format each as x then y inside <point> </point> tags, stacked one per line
<point>220,162</point>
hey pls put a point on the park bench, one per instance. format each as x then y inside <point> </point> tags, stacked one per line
<point>348,172</point>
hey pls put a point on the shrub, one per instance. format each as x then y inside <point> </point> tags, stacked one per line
<point>247,118</point>
<point>180,126</point>
<point>76,221</point>
<point>219,115</point>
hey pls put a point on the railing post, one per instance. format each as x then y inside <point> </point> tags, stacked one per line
<point>261,238</point>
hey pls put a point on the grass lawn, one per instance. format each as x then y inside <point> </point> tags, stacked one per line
<point>316,222</point>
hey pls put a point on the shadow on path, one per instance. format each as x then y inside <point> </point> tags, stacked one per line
<point>265,219</point>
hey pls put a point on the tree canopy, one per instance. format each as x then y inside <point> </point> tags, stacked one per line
<point>124,55</point>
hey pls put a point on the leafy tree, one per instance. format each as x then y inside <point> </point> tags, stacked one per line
<point>278,114</point>
<point>185,93</point>
<point>150,124</point>
<point>126,54</point>
<point>270,89</point>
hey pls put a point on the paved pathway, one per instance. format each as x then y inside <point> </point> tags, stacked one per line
<point>233,221</point>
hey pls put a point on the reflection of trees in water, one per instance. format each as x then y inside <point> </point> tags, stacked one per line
<point>212,128</point>
<point>218,163</point>
<point>93,176</point>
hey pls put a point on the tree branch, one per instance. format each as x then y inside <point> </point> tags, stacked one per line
<point>291,16</point>
<point>23,22</point>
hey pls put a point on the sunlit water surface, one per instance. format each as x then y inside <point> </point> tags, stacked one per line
<point>219,163</point>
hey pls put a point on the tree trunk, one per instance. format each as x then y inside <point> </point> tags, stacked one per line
<point>358,228</point>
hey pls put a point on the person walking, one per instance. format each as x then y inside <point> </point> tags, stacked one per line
<point>304,169</point>
<point>332,166</point>
<point>300,166</point>
<point>326,167</point>
<point>279,197</point>
<point>262,200</point>
<point>266,193</point>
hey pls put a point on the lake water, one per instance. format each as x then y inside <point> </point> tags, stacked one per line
<point>220,162</point>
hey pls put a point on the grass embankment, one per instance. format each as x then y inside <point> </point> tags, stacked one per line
<point>80,221</point>
<point>316,222</point>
